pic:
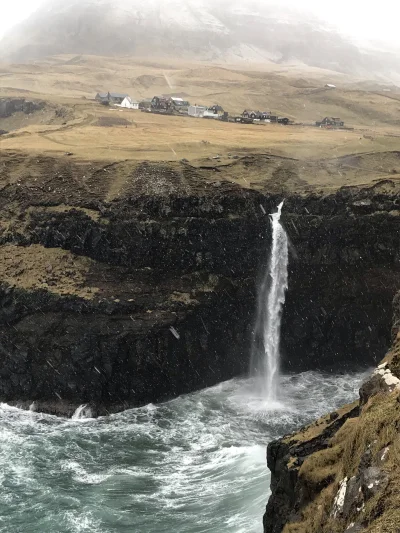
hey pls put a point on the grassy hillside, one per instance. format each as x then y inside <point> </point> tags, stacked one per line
<point>71,122</point>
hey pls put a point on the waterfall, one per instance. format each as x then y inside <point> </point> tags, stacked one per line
<point>271,297</point>
<point>82,412</point>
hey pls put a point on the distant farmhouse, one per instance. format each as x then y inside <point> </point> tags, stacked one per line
<point>330,122</point>
<point>161,103</point>
<point>201,111</point>
<point>169,104</point>
<point>145,104</point>
<point>111,98</point>
<point>217,110</point>
<point>128,103</point>
<point>179,102</point>
<point>260,115</point>
<point>249,117</point>
<point>197,111</point>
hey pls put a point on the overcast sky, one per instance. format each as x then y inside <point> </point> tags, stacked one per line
<point>360,18</point>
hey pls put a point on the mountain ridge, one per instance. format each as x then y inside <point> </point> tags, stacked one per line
<point>189,29</point>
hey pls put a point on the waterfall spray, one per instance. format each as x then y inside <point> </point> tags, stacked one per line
<point>82,412</point>
<point>271,297</point>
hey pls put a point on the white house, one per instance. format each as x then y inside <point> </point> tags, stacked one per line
<point>129,103</point>
<point>210,114</point>
<point>197,111</point>
<point>200,111</point>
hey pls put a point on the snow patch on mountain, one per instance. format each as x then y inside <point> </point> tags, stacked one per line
<point>189,15</point>
<point>221,30</point>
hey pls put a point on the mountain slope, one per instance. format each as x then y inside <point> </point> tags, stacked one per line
<point>197,29</point>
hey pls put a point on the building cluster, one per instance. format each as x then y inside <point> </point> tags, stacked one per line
<point>174,105</point>
<point>118,99</point>
<point>330,122</point>
<point>162,104</point>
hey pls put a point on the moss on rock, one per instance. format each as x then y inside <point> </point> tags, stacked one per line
<point>345,480</point>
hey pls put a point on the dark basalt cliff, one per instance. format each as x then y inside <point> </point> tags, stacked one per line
<point>119,300</point>
<point>341,474</point>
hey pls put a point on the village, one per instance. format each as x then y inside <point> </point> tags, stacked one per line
<point>194,114</point>
<point>177,106</point>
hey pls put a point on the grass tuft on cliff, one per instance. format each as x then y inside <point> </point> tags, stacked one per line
<point>372,439</point>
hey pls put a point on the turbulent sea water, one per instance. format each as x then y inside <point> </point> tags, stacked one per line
<point>195,464</point>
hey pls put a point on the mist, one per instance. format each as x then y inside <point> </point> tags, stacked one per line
<point>360,20</point>
<point>316,34</point>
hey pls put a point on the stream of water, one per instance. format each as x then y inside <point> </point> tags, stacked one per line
<point>265,358</point>
<point>193,465</point>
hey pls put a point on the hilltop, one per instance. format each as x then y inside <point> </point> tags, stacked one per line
<point>200,30</point>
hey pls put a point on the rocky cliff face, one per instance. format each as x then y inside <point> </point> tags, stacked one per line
<point>342,472</point>
<point>122,299</point>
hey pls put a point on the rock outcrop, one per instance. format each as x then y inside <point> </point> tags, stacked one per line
<point>9,106</point>
<point>341,474</point>
<point>128,283</point>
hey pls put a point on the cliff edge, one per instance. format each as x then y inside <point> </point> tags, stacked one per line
<point>135,282</point>
<point>341,473</point>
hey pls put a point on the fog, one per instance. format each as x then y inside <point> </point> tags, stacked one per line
<point>362,20</point>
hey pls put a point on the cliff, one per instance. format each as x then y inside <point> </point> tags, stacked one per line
<point>129,283</point>
<point>342,472</point>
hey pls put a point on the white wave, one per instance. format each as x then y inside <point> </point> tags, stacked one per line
<point>198,459</point>
<point>81,475</point>
<point>83,412</point>
<point>78,523</point>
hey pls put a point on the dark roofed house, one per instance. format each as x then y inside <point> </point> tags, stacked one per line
<point>179,102</point>
<point>217,109</point>
<point>101,97</point>
<point>111,98</point>
<point>117,98</point>
<point>254,114</point>
<point>330,121</point>
<point>145,103</point>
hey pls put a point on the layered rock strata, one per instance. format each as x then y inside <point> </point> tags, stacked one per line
<point>128,283</point>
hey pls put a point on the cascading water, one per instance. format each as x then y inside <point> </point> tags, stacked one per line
<point>195,463</point>
<point>265,361</point>
<point>82,412</point>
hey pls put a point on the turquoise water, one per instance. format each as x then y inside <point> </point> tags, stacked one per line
<point>193,465</point>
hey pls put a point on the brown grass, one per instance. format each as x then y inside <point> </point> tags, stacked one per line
<point>52,269</point>
<point>157,137</point>
<point>236,87</point>
<point>63,82</point>
<point>322,466</point>
<point>314,430</point>
<point>376,428</point>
